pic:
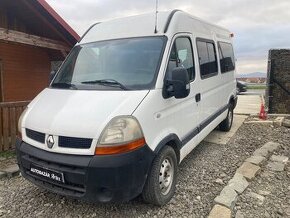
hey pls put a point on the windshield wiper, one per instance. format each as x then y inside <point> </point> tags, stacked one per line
<point>107,82</point>
<point>64,85</point>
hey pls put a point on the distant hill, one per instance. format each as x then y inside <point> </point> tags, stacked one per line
<point>252,75</point>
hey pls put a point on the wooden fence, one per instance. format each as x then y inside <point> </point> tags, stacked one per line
<point>9,116</point>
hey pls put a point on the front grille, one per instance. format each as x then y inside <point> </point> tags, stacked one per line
<point>36,136</point>
<point>63,141</point>
<point>71,142</point>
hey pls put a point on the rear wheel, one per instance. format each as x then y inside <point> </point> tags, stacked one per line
<point>161,181</point>
<point>227,123</point>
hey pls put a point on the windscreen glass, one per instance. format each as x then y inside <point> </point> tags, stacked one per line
<point>116,64</point>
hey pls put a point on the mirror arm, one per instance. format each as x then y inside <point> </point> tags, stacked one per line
<point>168,90</point>
<point>169,87</point>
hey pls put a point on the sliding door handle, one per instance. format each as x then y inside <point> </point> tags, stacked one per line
<point>197,97</point>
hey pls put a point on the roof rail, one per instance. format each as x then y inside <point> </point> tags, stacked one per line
<point>88,31</point>
<point>169,19</point>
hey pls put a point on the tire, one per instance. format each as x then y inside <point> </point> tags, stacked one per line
<point>163,173</point>
<point>227,123</point>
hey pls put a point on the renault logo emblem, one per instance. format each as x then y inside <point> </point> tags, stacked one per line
<point>50,141</point>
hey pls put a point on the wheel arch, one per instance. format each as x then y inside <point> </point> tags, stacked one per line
<point>233,100</point>
<point>173,141</point>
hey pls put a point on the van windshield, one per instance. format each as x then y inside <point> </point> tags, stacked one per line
<point>129,64</point>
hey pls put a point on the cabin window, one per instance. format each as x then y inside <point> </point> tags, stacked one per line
<point>227,59</point>
<point>181,55</point>
<point>207,58</point>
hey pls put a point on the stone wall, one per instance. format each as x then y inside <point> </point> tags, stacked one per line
<point>278,82</point>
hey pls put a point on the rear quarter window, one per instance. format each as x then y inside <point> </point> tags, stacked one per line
<point>227,59</point>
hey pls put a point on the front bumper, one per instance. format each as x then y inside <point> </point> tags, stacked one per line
<point>110,178</point>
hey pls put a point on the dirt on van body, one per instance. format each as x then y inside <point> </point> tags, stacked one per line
<point>202,175</point>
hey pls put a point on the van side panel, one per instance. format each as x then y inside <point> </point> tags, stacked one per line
<point>215,91</point>
<point>161,117</point>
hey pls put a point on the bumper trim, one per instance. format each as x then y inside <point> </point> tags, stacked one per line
<point>109,178</point>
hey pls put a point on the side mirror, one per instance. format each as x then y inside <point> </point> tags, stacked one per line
<point>176,83</point>
<point>51,76</point>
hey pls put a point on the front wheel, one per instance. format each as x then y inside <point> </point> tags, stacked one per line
<point>161,181</point>
<point>227,123</point>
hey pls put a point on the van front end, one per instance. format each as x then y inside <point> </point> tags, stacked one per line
<point>79,137</point>
<point>97,178</point>
<point>82,151</point>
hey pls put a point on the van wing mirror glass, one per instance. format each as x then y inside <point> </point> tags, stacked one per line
<point>177,83</point>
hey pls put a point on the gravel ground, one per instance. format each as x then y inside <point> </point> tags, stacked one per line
<point>273,189</point>
<point>196,189</point>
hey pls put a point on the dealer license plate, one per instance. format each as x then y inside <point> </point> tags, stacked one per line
<point>47,173</point>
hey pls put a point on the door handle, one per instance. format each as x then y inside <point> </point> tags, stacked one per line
<point>197,97</point>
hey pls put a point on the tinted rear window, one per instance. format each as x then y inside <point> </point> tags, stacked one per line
<point>227,59</point>
<point>207,58</point>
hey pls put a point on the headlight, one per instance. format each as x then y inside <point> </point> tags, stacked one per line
<point>122,134</point>
<point>20,122</point>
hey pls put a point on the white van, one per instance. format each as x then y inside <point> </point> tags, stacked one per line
<point>128,104</point>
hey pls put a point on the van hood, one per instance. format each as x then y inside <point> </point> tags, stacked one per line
<point>79,113</point>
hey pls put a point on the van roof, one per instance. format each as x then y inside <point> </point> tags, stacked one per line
<point>168,23</point>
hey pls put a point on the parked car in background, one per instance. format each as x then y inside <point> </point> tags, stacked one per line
<point>241,86</point>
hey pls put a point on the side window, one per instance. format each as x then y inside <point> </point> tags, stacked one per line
<point>207,58</point>
<point>227,59</point>
<point>181,55</point>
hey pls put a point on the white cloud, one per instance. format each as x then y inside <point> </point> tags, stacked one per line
<point>255,64</point>
<point>259,25</point>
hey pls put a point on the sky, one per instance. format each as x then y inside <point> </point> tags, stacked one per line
<point>258,25</point>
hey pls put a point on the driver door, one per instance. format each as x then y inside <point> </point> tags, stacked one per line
<point>185,112</point>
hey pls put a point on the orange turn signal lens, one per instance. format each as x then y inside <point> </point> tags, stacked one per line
<point>120,148</point>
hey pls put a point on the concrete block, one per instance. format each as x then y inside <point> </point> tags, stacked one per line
<point>219,211</point>
<point>258,160</point>
<point>278,158</point>
<point>238,183</point>
<point>227,197</point>
<point>263,122</point>
<point>276,166</point>
<point>248,170</point>
<point>12,170</point>
<point>271,146</point>
<point>278,121</point>
<point>261,152</point>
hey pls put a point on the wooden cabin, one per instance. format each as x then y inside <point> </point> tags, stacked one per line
<point>33,40</point>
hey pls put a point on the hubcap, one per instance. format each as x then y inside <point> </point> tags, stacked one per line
<point>166,176</point>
